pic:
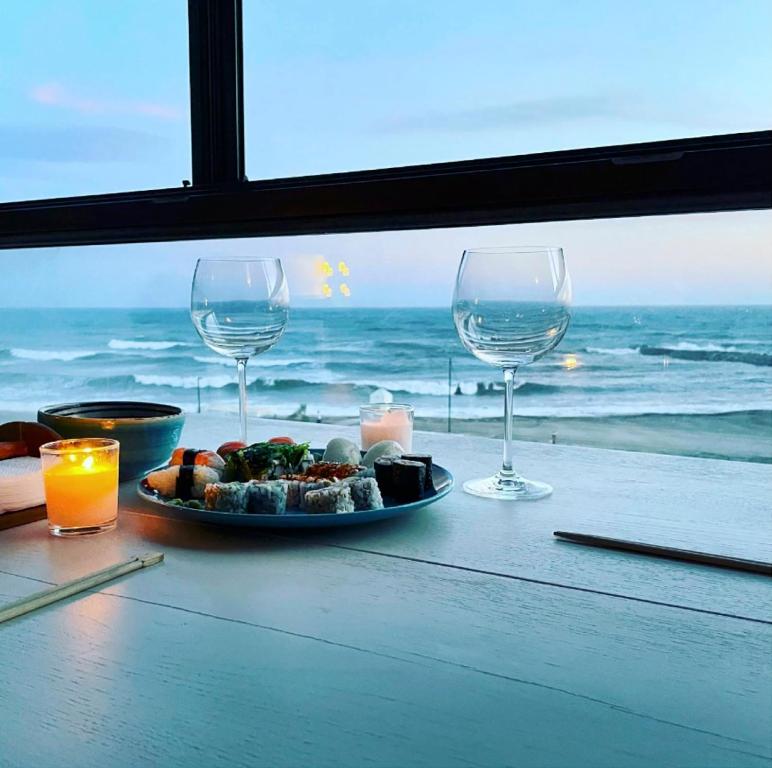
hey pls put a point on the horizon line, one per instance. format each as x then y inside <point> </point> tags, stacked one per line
<point>323,305</point>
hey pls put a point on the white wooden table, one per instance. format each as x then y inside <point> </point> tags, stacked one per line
<point>461,636</point>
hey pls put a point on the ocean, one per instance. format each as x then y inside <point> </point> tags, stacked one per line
<point>613,361</point>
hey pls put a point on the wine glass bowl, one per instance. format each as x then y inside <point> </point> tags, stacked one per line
<point>511,306</point>
<point>240,328</point>
<point>240,309</point>
<point>510,334</point>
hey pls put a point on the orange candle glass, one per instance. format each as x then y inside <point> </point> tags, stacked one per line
<point>81,484</point>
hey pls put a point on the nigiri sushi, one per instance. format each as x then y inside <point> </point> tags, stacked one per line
<point>197,457</point>
<point>182,481</point>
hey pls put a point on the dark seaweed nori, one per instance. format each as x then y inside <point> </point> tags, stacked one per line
<point>409,478</point>
<point>384,475</point>
<point>184,483</point>
<point>426,460</point>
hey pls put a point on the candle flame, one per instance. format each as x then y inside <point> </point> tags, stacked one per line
<point>88,462</point>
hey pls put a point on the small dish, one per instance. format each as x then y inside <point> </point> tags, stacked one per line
<point>147,432</point>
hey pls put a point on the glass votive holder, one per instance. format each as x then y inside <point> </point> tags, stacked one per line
<point>386,421</point>
<point>81,483</point>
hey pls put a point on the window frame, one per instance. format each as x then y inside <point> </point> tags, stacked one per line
<point>707,174</point>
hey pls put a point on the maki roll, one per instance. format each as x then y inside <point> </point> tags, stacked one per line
<point>185,456</point>
<point>384,474</point>
<point>226,497</point>
<point>317,485</point>
<point>182,482</point>
<point>409,479</point>
<point>266,498</point>
<point>426,460</point>
<point>333,500</point>
<point>297,489</point>
<point>364,493</point>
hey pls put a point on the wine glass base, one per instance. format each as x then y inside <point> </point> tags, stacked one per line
<point>517,489</point>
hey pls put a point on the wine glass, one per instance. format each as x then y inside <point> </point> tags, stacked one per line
<point>511,307</point>
<point>240,309</point>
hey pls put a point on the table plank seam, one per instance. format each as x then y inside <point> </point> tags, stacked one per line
<point>542,582</point>
<point>482,571</point>
<point>425,657</point>
<point>436,660</point>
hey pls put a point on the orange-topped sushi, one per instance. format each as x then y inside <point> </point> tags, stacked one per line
<point>193,457</point>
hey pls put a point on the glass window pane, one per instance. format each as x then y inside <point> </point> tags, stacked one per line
<point>669,348</point>
<point>94,97</point>
<point>346,85</point>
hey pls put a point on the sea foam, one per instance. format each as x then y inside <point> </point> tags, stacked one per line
<point>156,345</point>
<point>49,354</point>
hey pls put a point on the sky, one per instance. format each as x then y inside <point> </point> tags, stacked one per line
<point>94,98</point>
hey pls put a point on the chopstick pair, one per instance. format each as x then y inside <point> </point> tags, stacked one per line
<point>671,553</point>
<point>69,588</point>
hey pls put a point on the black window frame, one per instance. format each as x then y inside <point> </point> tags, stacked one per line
<point>698,175</point>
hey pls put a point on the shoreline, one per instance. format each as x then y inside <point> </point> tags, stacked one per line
<point>734,436</point>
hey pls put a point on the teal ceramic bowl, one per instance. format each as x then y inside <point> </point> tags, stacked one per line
<point>147,432</point>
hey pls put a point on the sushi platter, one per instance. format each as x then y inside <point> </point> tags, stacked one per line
<point>282,484</point>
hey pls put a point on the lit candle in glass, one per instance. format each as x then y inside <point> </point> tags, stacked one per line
<point>386,421</point>
<point>81,483</point>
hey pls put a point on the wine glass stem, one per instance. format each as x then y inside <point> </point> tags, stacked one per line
<point>241,365</point>
<point>507,471</point>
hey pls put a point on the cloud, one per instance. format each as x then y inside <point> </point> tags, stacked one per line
<point>522,114</point>
<point>78,143</point>
<point>56,95</point>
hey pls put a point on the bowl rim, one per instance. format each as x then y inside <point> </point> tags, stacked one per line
<point>173,412</point>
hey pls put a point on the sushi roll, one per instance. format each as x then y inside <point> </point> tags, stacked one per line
<point>326,501</point>
<point>297,489</point>
<point>426,460</point>
<point>305,488</point>
<point>381,449</point>
<point>226,497</point>
<point>384,474</point>
<point>342,451</point>
<point>409,479</point>
<point>266,498</point>
<point>364,493</point>
<point>182,482</point>
<point>185,456</point>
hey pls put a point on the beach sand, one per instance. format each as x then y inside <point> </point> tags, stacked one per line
<point>738,436</point>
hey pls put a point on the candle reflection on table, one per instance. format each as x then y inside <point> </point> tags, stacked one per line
<point>81,485</point>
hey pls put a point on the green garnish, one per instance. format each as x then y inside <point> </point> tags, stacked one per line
<point>264,461</point>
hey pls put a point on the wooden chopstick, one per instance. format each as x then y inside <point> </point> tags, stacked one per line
<point>656,550</point>
<point>60,592</point>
